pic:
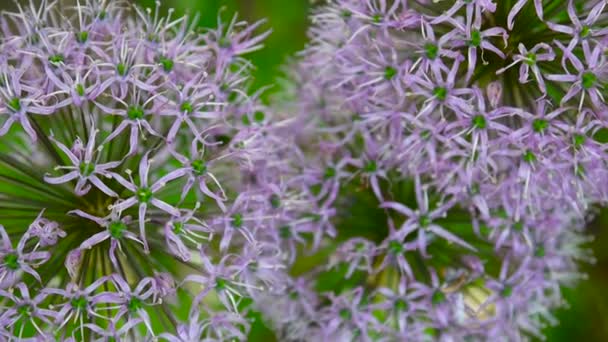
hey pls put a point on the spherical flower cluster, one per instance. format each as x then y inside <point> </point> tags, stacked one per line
<point>454,150</point>
<point>137,188</point>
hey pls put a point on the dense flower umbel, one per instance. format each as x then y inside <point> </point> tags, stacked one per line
<point>137,185</point>
<point>453,149</point>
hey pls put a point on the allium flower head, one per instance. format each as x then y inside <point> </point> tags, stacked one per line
<point>135,176</point>
<point>456,148</point>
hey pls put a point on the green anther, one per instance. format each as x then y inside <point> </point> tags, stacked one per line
<point>438,297</point>
<point>186,107</point>
<point>79,303</point>
<point>389,72</point>
<point>11,261</point>
<point>220,284</point>
<point>540,125</point>
<point>588,80</point>
<point>275,201</point>
<point>475,38</point>
<point>82,37</point>
<point>259,116</point>
<point>431,50</point>
<point>199,167</point>
<point>134,305</point>
<point>530,58</point>
<point>144,195</point>
<point>401,305</point>
<point>102,15</point>
<point>122,69</point>
<point>86,169</point>
<point>178,228</point>
<point>578,140</point>
<point>135,112</point>
<point>377,18</point>
<point>285,232</point>
<point>330,172</point>
<point>395,247</point>
<point>529,157</point>
<point>345,314</point>
<point>79,89</point>
<point>14,104</point>
<point>585,31</point>
<point>479,122</point>
<point>507,291</point>
<point>116,229</point>
<point>237,220</point>
<point>56,59</point>
<point>371,166</point>
<point>440,93</point>
<point>166,63</point>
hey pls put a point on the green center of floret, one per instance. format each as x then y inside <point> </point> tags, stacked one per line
<point>82,37</point>
<point>259,116</point>
<point>424,221</point>
<point>578,140</point>
<point>144,195</point>
<point>220,284</point>
<point>134,305</point>
<point>389,72</point>
<point>135,113</point>
<point>86,169</point>
<point>585,31</point>
<point>530,58</point>
<point>345,314</point>
<point>507,291</point>
<point>330,172</point>
<point>56,59</point>
<point>237,220</point>
<point>199,167</point>
<point>401,305</point>
<point>116,229</point>
<point>438,297</point>
<point>79,303</point>
<point>441,93</point>
<point>395,247</point>
<point>285,232</point>
<point>186,107</point>
<point>14,104</point>
<point>11,261</point>
<point>371,166</point>
<point>431,50</point>
<point>540,125</point>
<point>122,69</point>
<point>275,201</point>
<point>475,38</point>
<point>529,157</point>
<point>479,122</point>
<point>79,89</point>
<point>25,310</point>
<point>178,227</point>
<point>588,80</point>
<point>166,63</point>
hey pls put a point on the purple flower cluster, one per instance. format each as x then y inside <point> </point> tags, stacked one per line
<point>451,152</point>
<point>137,178</point>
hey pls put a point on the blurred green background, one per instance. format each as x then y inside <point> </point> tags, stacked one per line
<point>585,318</point>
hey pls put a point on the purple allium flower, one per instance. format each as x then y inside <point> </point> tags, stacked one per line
<point>450,180</point>
<point>135,163</point>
